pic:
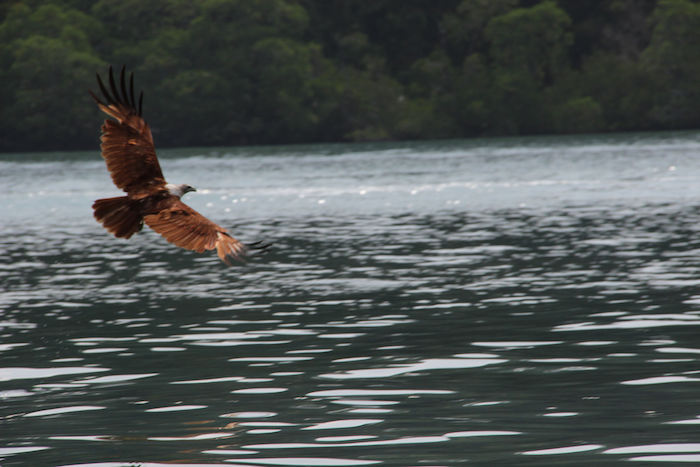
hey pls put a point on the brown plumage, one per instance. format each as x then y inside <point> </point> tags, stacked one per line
<point>128,149</point>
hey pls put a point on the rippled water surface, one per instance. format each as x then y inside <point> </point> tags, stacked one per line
<point>516,301</point>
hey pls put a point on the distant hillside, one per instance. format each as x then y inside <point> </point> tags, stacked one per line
<point>228,72</point>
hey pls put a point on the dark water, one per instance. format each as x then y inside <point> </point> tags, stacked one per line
<point>494,302</point>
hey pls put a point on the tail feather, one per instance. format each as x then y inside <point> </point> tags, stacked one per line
<point>118,215</point>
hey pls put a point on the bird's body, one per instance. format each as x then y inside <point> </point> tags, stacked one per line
<point>129,152</point>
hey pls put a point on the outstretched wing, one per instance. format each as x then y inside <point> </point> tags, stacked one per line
<point>183,226</point>
<point>127,143</point>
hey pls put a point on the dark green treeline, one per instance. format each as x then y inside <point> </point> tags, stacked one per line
<point>227,72</point>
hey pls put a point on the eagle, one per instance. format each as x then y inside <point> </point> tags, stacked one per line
<point>128,150</point>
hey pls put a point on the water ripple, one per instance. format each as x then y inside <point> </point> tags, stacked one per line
<point>455,303</point>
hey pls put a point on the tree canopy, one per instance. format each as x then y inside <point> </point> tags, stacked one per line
<point>228,72</point>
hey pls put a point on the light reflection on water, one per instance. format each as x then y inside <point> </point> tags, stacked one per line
<point>536,326</point>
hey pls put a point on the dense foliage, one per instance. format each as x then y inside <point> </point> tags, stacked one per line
<point>223,72</point>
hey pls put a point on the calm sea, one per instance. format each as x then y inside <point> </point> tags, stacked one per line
<point>529,301</point>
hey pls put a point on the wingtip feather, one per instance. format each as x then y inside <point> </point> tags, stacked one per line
<point>229,249</point>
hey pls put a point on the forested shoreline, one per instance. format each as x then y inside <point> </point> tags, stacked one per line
<point>231,72</point>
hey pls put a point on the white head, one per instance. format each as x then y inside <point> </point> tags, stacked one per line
<point>179,190</point>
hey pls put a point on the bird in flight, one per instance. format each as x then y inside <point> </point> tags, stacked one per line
<point>128,149</point>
